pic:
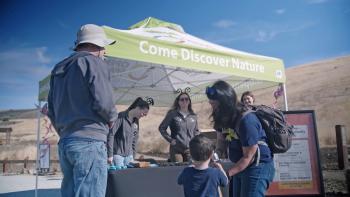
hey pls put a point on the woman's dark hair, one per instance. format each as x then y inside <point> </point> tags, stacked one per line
<point>247,93</point>
<point>176,105</point>
<point>201,148</point>
<point>139,102</point>
<point>229,110</point>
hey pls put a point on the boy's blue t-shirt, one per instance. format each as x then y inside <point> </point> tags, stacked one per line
<point>250,132</point>
<point>202,183</point>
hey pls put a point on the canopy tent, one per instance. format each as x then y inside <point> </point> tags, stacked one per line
<point>158,59</point>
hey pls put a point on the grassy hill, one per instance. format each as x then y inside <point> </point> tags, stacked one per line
<point>322,86</point>
<point>17,114</point>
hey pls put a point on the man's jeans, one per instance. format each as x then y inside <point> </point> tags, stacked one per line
<point>120,161</point>
<point>84,166</point>
<point>253,181</point>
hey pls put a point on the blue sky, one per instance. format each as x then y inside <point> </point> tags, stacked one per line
<point>36,34</point>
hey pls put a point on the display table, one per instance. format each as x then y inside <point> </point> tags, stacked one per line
<point>141,182</point>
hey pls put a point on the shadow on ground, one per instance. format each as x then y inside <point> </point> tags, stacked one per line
<point>41,192</point>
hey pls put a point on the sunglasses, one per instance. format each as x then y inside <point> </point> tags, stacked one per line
<point>211,93</point>
<point>184,99</point>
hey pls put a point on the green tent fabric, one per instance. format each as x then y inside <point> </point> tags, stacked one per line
<point>151,22</point>
<point>158,59</point>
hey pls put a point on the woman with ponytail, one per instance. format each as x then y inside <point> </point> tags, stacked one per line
<point>122,138</point>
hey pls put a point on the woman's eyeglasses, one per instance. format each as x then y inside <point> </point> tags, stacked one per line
<point>184,99</point>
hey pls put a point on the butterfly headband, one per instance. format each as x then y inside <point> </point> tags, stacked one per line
<point>186,90</point>
<point>149,100</point>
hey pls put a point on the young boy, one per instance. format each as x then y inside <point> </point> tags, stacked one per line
<point>200,179</point>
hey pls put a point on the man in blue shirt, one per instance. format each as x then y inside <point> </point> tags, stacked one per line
<point>82,110</point>
<point>200,180</point>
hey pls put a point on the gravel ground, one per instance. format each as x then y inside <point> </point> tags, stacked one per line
<point>334,179</point>
<point>23,185</point>
<point>11,183</point>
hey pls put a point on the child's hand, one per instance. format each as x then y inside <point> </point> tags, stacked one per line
<point>218,165</point>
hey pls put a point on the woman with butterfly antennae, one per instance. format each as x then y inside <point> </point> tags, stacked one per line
<point>183,127</point>
<point>122,138</point>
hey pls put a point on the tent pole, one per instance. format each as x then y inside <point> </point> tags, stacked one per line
<point>285,97</point>
<point>37,149</point>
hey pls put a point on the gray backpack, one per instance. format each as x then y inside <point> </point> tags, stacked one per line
<point>279,133</point>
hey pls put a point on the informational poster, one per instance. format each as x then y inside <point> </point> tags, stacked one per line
<point>298,170</point>
<point>44,156</point>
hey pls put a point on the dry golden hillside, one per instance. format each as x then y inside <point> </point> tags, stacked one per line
<point>322,86</point>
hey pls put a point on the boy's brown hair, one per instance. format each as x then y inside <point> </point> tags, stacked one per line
<point>201,148</point>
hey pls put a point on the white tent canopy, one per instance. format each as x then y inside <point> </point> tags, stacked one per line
<point>158,59</point>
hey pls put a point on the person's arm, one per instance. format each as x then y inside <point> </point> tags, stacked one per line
<point>164,126</point>
<point>100,88</point>
<point>180,178</point>
<point>248,136</point>
<point>110,139</point>
<point>243,163</point>
<point>51,112</point>
<point>196,130</point>
<point>134,141</point>
<point>223,180</point>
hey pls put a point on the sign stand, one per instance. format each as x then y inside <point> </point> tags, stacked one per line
<point>298,171</point>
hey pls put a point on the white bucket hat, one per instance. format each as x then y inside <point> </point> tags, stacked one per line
<point>93,34</point>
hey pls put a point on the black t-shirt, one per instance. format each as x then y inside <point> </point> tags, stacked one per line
<point>202,183</point>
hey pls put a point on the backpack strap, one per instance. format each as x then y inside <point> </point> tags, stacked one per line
<point>257,156</point>
<point>257,153</point>
<point>260,142</point>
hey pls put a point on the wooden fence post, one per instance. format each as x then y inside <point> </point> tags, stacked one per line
<point>4,165</point>
<point>25,162</point>
<point>342,148</point>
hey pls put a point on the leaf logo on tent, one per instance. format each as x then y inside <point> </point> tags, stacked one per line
<point>279,74</point>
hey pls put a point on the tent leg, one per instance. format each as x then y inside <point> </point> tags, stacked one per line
<point>37,150</point>
<point>285,97</point>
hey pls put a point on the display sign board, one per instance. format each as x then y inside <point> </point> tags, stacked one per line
<point>298,171</point>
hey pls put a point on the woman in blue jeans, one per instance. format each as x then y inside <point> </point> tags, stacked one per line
<point>253,168</point>
<point>122,139</point>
